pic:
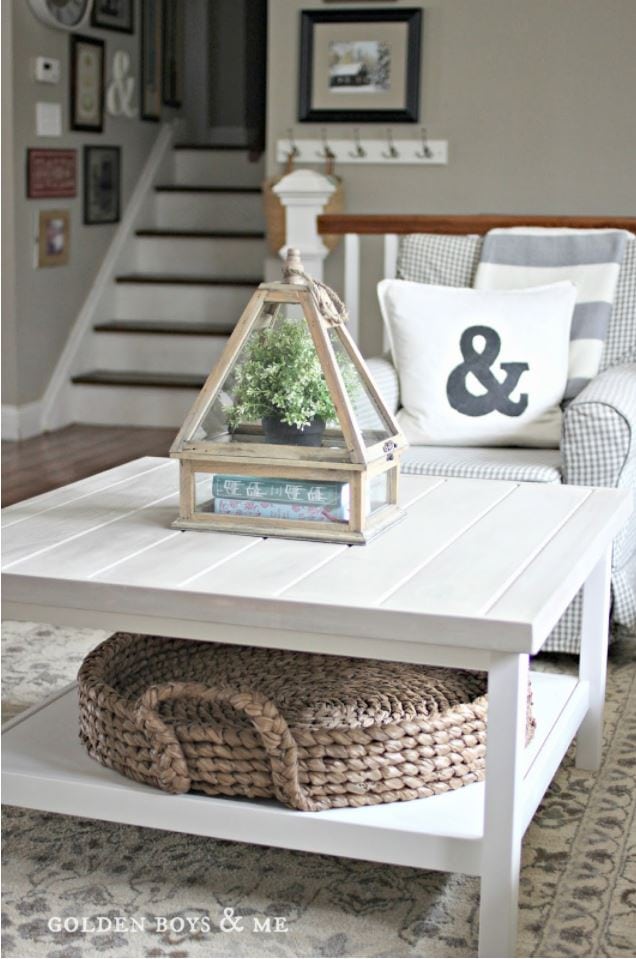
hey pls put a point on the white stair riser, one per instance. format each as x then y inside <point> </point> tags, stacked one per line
<point>154,353</point>
<point>235,258</point>
<point>216,168</point>
<point>131,406</point>
<point>163,301</point>
<point>209,211</point>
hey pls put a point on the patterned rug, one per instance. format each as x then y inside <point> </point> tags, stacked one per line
<point>578,884</point>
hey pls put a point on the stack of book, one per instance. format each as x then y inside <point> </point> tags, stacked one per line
<point>280,499</point>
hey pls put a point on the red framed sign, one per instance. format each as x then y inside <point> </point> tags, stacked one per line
<point>51,173</point>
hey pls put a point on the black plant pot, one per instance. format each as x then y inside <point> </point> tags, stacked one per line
<point>278,432</point>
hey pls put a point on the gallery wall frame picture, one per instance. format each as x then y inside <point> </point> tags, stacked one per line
<point>172,53</point>
<point>150,59</point>
<point>360,66</point>
<point>87,83</point>
<point>51,173</point>
<point>54,237</point>
<point>114,15</point>
<point>102,184</point>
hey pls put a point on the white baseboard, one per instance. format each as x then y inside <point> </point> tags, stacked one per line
<point>21,422</point>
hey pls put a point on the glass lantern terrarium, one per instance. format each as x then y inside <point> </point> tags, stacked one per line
<point>289,435</point>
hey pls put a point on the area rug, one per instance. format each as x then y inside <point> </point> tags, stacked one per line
<point>124,891</point>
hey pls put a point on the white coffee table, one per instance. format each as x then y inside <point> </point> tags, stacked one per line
<point>476,576</point>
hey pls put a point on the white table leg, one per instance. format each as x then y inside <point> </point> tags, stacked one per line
<point>593,661</point>
<point>501,854</point>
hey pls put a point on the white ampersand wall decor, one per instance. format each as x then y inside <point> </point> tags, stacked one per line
<point>121,88</point>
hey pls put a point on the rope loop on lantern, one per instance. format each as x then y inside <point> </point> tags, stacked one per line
<point>327,301</point>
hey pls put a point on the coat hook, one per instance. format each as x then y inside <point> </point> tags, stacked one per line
<point>393,153</point>
<point>426,152</point>
<point>326,153</point>
<point>294,152</point>
<point>359,152</point>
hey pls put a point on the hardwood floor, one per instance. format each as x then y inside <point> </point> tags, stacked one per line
<point>30,467</point>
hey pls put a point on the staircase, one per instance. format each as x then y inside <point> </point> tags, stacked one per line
<point>190,269</point>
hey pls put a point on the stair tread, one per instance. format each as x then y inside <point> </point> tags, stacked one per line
<point>166,327</point>
<point>202,188</point>
<point>182,279</point>
<point>203,234</point>
<point>139,378</point>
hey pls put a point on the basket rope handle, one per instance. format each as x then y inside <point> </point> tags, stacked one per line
<point>278,742</point>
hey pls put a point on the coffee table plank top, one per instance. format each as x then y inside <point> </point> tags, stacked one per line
<point>561,563</point>
<point>469,553</point>
<point>53,528</point>
<point>26,509</point>
<point>470,573</point>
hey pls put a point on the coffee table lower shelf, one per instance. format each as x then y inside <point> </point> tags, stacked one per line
<point>45,767</point>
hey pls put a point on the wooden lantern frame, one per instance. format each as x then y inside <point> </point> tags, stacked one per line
<point>354,463</point>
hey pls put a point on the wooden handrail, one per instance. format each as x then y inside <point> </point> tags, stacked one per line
<point>381,223</point>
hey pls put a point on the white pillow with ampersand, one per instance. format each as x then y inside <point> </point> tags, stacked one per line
<point>479,367</point>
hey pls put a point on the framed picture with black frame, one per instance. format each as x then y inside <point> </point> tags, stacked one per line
<point>102,184</point>
<point>360,66</point>
<point>172,53</point>
<point>87,84</point>
<point>114,15</point>
<point>150,57</point>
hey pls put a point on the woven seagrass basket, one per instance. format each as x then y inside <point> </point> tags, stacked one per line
<point>312,731</point>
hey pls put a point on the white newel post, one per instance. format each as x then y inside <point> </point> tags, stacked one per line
<point>304,194</point>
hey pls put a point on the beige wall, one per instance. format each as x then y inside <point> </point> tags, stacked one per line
<point>48,300</point>
<point>533,96</point>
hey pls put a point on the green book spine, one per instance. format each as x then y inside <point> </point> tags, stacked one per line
<point>275,490</point>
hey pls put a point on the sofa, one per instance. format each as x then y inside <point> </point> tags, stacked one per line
<point>598,439</point>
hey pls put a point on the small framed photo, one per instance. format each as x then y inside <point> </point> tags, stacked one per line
<point>150,56</point>
<point>51,173</point>
<point>54,237</point>
<point>172,53</point>
<point>360,66</point>
<point>114,15</point>
<point>102,184</point>
<point>87,83</point>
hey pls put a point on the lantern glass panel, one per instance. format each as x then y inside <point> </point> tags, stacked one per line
<point>377,493</point>
<point>373,425</point>
<point>272,498</point>
<point>282,498</point>
<point>275,376</point>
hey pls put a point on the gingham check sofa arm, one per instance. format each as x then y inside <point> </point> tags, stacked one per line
<point>598,446</point>
<point>386,379</point>
<point>598,440</point>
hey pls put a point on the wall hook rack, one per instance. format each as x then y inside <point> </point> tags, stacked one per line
<point>363,146</point>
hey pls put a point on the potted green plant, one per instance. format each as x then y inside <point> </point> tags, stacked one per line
<point>280,382</point>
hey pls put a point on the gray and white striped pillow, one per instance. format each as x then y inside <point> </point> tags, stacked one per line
<point>591,259</point>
